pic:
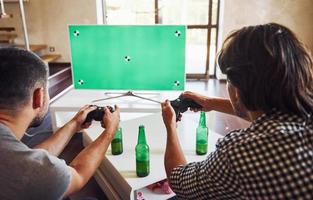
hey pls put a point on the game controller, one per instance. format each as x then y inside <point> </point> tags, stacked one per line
<point>181,105</point>
<point>97,114</point>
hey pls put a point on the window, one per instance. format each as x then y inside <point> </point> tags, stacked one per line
<point>200,16</point>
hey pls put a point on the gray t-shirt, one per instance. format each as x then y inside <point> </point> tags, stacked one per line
<point>29,173</point>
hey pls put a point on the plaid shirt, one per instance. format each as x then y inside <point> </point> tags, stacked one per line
<point>272,159</point>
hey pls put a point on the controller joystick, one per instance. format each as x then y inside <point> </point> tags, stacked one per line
<point>97,114</point>
<point>181,105</point>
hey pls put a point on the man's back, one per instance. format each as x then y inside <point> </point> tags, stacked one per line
<point>27,173</point>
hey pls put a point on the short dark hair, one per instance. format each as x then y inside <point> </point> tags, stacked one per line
<point>270,67</point>
<point>20,71</point>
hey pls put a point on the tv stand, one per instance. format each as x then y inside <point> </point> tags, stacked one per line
<point>127,94</point>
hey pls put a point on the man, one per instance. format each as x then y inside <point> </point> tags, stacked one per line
<point>37,173</point>
<point>270,82</point>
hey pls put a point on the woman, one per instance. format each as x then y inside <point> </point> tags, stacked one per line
<point>270,82</point>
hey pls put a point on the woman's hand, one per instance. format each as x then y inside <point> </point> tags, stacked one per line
<point>207,103</point>
<point>169,116</point>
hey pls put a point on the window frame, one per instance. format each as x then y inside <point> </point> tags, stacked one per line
<point>206,75</point>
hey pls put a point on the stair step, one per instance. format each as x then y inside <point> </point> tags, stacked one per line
<point>5,16</point>
<point>7,37</point>
<point>50,57</point>
<point>7,29</point>
<point>34,47</point>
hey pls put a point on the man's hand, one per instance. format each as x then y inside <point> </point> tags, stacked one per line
<point>111,121</point>
<point>57,141</point>
<point>80,117</point>
<point>169,116</point>
<point>88,160</point>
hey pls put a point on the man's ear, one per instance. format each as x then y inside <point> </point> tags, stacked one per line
<point>38,98</point>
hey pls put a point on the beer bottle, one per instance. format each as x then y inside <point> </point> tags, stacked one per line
<point>142,154</point>
<point>202,136</point>
<point>117,142</point>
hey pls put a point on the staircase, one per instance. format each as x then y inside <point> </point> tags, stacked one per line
<point>7,39</point>
<point>60,76</point>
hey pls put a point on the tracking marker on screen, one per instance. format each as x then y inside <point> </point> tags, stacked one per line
<point>177,33</point>
<point>176,83</point>
<point>81,82</point>
<point>127,58</point>
<point>76,33</point>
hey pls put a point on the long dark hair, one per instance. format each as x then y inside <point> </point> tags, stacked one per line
<point>270,67</point>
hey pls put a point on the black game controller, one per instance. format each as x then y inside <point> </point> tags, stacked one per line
<point>97,114</point>
<point>181,105</point>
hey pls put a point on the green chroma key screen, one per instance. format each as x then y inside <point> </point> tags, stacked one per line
<point>128,57</point>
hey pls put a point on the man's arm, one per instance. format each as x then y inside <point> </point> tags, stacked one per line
<point>57,141</point>
<point>88,160</point>
<point>173,153</point>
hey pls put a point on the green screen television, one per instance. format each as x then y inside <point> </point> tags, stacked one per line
<point>128,57</point>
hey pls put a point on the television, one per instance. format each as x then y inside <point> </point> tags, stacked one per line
<point>128,57</point>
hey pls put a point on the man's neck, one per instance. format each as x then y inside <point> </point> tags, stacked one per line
<point>16,123</point>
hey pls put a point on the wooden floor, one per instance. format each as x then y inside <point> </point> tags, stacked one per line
<point>224,125</point>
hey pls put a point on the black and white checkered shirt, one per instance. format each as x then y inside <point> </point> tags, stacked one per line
<point>272,159</point>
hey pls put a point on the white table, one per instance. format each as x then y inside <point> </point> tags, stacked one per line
<point>66,106</point>
<point>117,174</point>
<point>120,171</point>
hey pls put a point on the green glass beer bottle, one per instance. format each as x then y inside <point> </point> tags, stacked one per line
<point>202,136</point>
<point>142,154</point>
<point>117,142</point>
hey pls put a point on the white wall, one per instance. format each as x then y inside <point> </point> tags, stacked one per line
<point>295,14</point>
<point>47,21</point>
